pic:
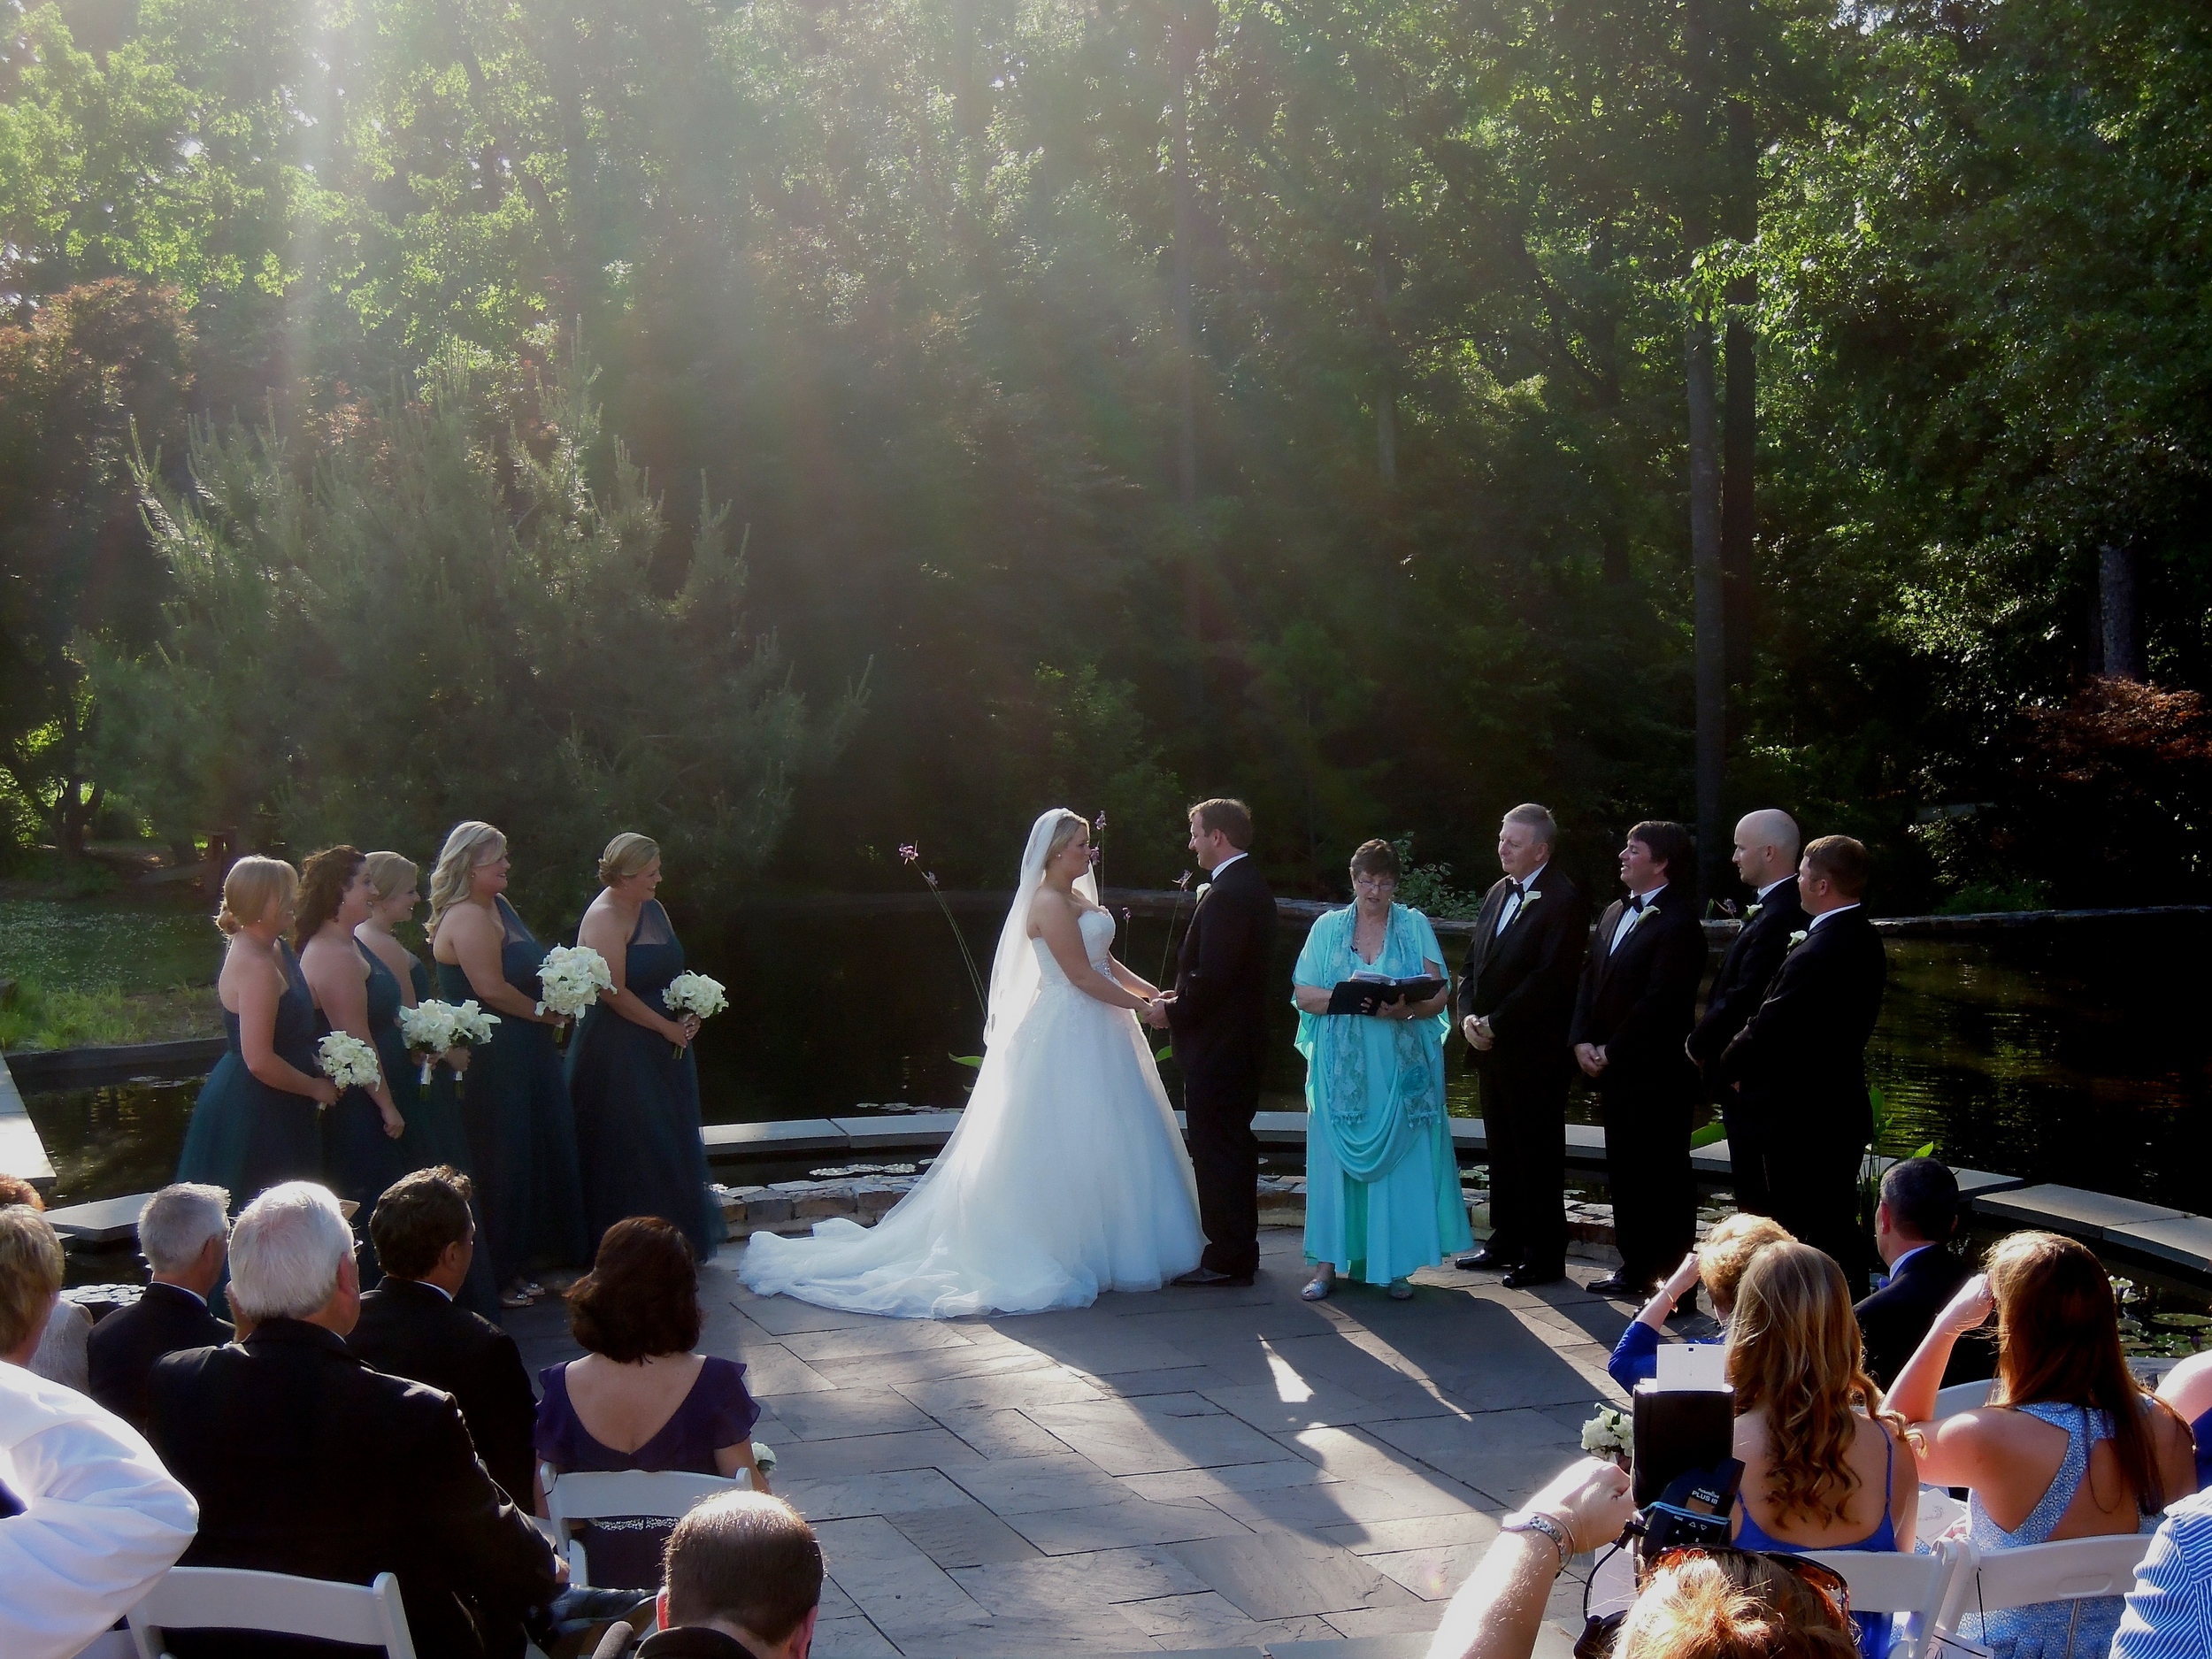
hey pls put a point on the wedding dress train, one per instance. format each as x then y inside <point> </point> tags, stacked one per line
<point>1067,1175</point>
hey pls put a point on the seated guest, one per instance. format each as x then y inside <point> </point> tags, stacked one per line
<point>639,1398</point>
<point>1717,1604</point>
<point>2187,1388</point>
<point>305,1460</point>
<point>88,1517</point>
<point>411,1325</point>
<point>184,1234</point>
<point>2168,1612</point>
<point>61,1349</point>
<point>2071,1446</point>
<point>1718,1263</point>
<point>743,1578</point>
<point>1824,1466</point>
<point>1918,1212</point>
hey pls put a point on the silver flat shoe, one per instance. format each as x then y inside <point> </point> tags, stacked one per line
<point>1317,1289</point>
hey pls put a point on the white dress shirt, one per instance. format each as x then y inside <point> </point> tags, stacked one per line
<point>1629,918</point>
<point>1214,874</point>
<point>101,1518</point>
<point>1511,908</point>
<point>1824,915</point>
<point>1771,887</point>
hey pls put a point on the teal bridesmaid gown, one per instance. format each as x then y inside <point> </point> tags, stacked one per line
<point>521,1134</point>
<point>362,1160</point>
<point>637,1104</point>
<point>245,1136</point>
<point>434,1135</point>
<point>1382,1182</point>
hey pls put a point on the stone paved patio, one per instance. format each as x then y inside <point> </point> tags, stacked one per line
<point>1209,1471</point>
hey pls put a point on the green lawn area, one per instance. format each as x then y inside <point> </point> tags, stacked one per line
<point>117,968</point>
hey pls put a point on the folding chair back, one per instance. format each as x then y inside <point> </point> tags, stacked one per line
<point>1889,1581</point>
<point>2072,1569</point>
<point>1962,1396</point>
<point>667,1494</point>
<point>275,1604</point>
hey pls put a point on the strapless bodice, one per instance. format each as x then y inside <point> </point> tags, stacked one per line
<point>1098,944</point>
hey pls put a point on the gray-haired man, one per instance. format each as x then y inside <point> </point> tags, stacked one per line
<point>183,1232</point>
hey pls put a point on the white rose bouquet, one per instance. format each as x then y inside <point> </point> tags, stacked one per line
<point>348,1062</point>
<point>696,994</point>
<point>570,979</point>
<point>1607,1434</point>
<point>431,1028</point>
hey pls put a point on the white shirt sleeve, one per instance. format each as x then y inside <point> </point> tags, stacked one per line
<point>101,1518</point>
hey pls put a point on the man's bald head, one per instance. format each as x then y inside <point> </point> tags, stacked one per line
<point>1766,846</point>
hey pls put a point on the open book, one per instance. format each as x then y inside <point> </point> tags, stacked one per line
<point>1364,993</point>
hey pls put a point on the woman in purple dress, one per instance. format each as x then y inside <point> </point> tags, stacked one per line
<point>639,1398</point>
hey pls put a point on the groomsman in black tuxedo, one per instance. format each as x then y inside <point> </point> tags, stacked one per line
<point>1799,1062</point>
<point>1766,861</point>
<point>1638,998</point>
<point>1217,1013</point>
<point>1516,999</point>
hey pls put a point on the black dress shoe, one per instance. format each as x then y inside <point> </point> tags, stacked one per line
<point>1522,1277</point>
<point>1207,1278</point>
<point>1483,1261</point>
<point>1613,1284</point>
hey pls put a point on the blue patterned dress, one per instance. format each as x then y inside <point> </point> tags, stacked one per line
<point>637,1104</point>
<point>1382,1182</point>
<point>522,1137</point>
<point>245,1136</point>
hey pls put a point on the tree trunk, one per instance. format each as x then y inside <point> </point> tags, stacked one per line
<point>1180,46</point>
<point>1740,428</point>
<point>2120,610</point>
<point>1709,598</point>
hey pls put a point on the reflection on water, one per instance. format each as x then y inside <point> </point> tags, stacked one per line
<point>2075,1053</point>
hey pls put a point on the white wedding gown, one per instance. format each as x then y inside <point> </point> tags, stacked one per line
<point>1066,1177</point>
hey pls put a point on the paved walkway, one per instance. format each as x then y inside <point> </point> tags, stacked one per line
<point>1218,1471</point>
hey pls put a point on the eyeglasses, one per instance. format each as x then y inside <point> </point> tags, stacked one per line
<point>1375,884</point>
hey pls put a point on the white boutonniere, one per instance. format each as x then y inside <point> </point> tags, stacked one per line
<point>1751,912</point>
<point>1204,888</point>
<point>1528,899</point>
<point>1799,938</point>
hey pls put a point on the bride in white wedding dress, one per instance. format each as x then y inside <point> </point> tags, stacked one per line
<point>1067,1175</point>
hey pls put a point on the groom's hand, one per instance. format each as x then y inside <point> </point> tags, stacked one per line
<point>1156,1010</point>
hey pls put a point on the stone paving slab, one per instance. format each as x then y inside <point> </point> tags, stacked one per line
<point>1232,1472</point>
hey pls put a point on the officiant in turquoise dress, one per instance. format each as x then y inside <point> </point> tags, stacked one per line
<point>1382,1183</point>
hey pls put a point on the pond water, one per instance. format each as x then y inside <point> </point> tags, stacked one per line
<point>2078,1052</point>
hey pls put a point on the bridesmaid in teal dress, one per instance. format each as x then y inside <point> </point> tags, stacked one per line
<point>631,1072</point>
<point>361,1149</point>
<point>1382,1182</point>
<point>434,1136</point>
<point>515,1102</point>
<point>254,1124</point>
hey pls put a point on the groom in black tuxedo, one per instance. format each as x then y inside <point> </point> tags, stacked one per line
<point>1638,998</point>
<point>1516,999</point>
<point>1217,1013</point>
<point>1766,861</point>
<point>1799,1062</point>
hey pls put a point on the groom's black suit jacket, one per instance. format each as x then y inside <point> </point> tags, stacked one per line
<point>1523,981</point>
<point>1803,1052</point>
<point>1219,1015</point>
<point>1755,957</point>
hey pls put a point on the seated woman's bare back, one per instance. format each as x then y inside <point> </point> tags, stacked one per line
<point>1874,1450</point>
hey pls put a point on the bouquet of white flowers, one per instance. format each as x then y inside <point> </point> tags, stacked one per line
<point>570,979</point>
<point>693,993</point>
<point>472,1024</point>
<point>348,1062</point>
<point>427,1029</point>
<point>1607,1434</point>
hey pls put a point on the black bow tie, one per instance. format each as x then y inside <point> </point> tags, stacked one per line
<point>1518,890</point>
<point>1636,903</point>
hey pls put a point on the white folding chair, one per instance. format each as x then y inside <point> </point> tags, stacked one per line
<point>232,1598</point>
<point>1963,1396</point>
<point>667,1494</point>
<point>1890,1581</point>
<point>2073,1570</point>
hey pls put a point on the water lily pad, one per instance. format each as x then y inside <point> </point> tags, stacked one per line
<point>2184,1321</point>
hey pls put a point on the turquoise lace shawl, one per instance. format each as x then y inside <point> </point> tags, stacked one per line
<point>1372,1085</point>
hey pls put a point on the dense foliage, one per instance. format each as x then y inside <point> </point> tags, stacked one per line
<point>1142,397</point>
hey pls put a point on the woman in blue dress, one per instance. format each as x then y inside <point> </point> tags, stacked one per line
<point>631,1072</point>
<point>1382,1182</point>
<point>255,1123</point>
<point>2070,1446</point>
<point>434,1137</point>
<point>361,1132</point>
<point>522,1137</point>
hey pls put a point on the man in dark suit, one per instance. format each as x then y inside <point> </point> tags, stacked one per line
<point>1517,1001</point>
<point>183,1232</point>
<point>1217,1013</point>
<point>1766,861</point>
<point>1919,1212</point>
<point>1799,1062</point>
<point>409,1327</point>
<point>305,1460</point>
<point>1637,1001</point>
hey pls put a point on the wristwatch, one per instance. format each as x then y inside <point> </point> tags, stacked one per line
<point>1537,1521</point>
